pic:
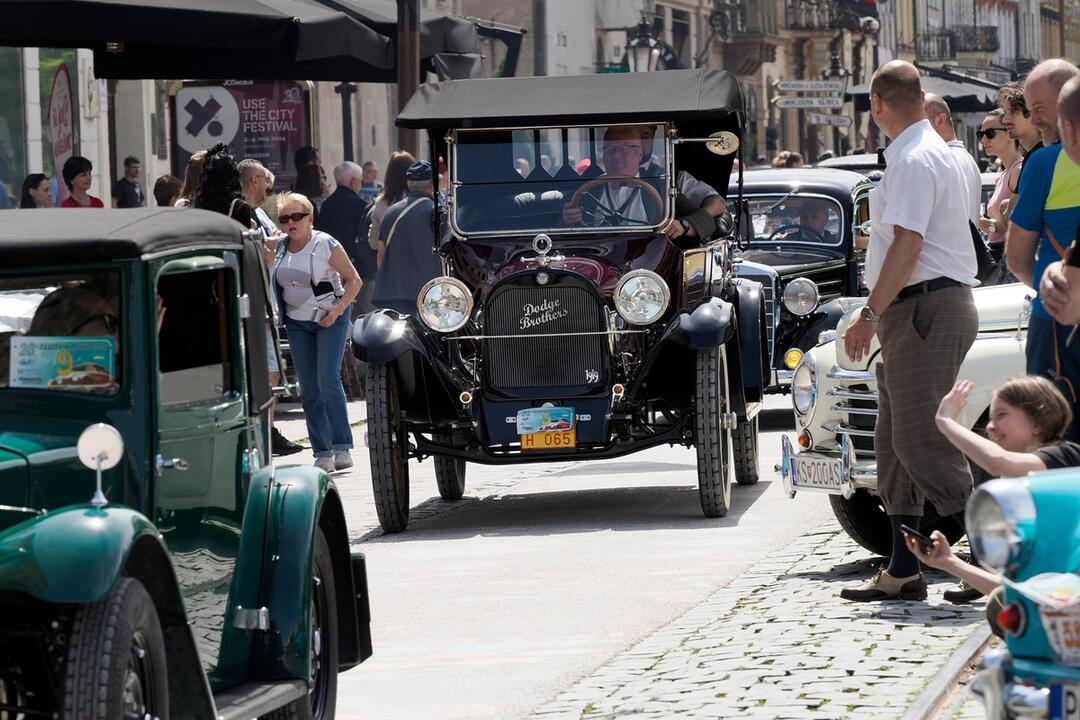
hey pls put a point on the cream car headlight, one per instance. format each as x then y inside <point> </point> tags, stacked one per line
<point>444,304</point>
<point>804,386</point>
<point>641,297</point>
<point>801,296</point>
<point>999,520</point>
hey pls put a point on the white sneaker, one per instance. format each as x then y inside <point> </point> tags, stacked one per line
<point>342,459</point>
<point>325,463</point>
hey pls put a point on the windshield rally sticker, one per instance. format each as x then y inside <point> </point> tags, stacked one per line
<point>539,314</point>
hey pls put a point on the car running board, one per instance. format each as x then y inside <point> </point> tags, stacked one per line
<point>255,699</point>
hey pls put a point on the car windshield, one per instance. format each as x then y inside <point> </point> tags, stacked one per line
<point>560,178</point>
<point>795,218</point>
<point>61,332</point>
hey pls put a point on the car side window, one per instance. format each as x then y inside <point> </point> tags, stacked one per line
<point>194,337</point>
<point>862,221</point>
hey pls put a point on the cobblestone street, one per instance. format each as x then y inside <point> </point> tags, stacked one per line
<point>778,643</point>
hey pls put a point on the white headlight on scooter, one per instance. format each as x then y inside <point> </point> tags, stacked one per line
<point>1000,518</point>
<point>444,304</point>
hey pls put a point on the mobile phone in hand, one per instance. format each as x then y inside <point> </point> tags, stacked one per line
<point>918,536</point>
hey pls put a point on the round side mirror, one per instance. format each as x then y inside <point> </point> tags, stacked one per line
<point>100,446</point>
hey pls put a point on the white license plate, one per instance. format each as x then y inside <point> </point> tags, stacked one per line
<point>817,473</point>
<point>1065,701</point>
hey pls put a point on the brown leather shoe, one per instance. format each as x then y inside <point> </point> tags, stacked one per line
<point>884,586</point>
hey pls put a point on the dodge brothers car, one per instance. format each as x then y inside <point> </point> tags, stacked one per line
<point>568,325</point>
<point>835,402</point>
<point>153,563</point>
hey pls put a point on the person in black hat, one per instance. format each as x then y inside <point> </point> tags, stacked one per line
<point>408,231</point>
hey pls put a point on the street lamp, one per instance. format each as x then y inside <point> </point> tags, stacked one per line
<point>837,72</point>
<point>643,51</point>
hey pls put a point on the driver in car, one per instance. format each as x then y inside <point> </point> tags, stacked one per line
<point>812,224</point>
<point>626,200</point>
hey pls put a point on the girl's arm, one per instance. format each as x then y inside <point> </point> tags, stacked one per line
<point>941,557</point>
<point>985,453</point>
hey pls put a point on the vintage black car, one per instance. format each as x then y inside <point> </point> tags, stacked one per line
<point>559,336</point>
<point>806,244</point>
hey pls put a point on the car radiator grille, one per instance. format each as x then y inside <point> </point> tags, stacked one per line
<point>857,400</point>
<point>529,341</point>
<point>768,293</point>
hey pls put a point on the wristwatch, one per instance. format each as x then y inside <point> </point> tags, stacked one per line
<point>685,224</point>
<point>867,313</point>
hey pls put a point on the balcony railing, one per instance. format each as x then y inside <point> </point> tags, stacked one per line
<point>982,39</point>
<point>823,14</point>
<point>935,46</point>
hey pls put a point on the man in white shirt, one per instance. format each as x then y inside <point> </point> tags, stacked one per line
<point>920,267</point>
<point>940,117</point>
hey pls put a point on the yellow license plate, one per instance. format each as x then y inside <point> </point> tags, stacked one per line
<point>560,440</point>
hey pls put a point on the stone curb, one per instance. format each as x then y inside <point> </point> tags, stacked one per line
<point>932,699</point>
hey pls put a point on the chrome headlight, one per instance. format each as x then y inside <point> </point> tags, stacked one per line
<point>641,297</point>
<point>444,304</point>
<point>1000,520</point>
<point>804,386</point>
<point>801,296</point>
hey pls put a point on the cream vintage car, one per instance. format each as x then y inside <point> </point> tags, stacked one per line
<point>835,403</point>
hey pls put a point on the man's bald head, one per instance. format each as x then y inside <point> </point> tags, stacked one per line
<point>1068,106</point>
<point>623,132</point>
<point>940,117</point>
<point>897,84</point>
<point>1041,89</point>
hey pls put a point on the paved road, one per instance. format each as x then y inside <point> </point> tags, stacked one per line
<point>588,590</point>
<point>489,607</point>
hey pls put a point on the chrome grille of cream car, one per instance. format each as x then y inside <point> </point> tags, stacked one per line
<point>856,397</point>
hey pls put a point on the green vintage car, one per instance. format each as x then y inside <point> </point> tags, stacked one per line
<point>156,565</point>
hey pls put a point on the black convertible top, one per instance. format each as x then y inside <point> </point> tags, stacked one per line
<point>29,237</point>
<point>573,100</point>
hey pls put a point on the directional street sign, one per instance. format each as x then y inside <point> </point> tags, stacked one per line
<point>809,102</point>
<point>810,86</point>
<point>823,119</point>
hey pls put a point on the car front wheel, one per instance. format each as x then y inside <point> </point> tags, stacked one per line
<point>116,659</point>
<point>713,442</point>
<point>387,449</point>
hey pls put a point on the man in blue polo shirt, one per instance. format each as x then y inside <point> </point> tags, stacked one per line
<point>1043,222</point>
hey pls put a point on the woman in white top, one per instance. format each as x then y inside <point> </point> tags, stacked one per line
<point>316,284</point>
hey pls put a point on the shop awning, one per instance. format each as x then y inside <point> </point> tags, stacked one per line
<point>335,40</point>
<point>963,93</point>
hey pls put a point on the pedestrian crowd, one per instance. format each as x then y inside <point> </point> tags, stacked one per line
<point>920,269</point>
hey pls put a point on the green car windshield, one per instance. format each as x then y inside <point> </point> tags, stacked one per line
<point>60,332</point>
<point>543,179</point>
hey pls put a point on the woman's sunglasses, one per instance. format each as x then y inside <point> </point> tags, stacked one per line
<point>110,321</point>
<point>292,217</point>
<point>988,133</point>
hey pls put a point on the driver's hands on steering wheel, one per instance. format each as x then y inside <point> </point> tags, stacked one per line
<point>571,214</point>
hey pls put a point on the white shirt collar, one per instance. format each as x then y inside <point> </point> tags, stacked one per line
<point>910,133</point>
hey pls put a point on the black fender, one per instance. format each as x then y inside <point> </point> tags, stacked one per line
<point>826,317</point>
<point>753,338</point>
<point>383,336</point>
<point>709,325</point>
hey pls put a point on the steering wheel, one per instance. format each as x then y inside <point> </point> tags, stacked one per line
<point>611,212</point>
<point>816,236</point>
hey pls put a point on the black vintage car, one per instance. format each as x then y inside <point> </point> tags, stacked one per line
<point>805,243</point>
<point>559,335</point>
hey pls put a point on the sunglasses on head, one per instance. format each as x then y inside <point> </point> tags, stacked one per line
<point>292,217</point>
<point>989,133</point>
<point>110,321</point>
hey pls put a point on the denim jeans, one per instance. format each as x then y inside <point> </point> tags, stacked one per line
<point>316,355</point>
